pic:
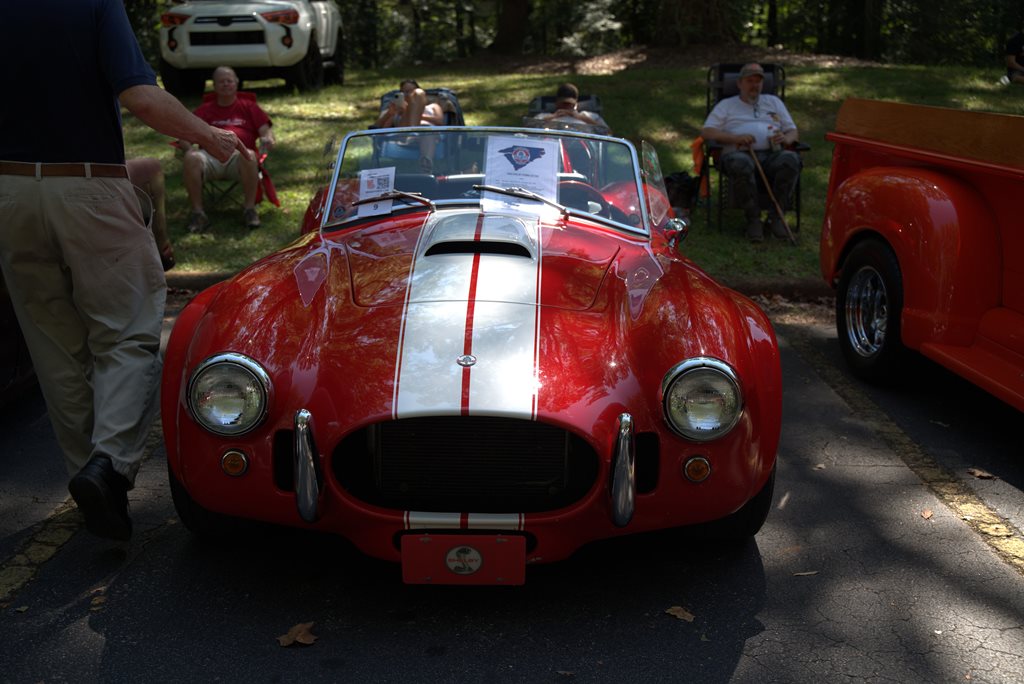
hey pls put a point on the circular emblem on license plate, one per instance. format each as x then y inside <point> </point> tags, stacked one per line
<point>463,560</point>
<point>466,360</point>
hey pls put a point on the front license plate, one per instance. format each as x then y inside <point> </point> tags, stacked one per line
<point>463,559</point>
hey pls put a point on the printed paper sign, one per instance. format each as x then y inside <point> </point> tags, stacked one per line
<point>372,183</point>
<point>525,163</point>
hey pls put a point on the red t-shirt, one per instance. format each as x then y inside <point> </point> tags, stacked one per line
<point>243,118</point>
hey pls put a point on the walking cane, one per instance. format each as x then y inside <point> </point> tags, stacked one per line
<point>768,187</point>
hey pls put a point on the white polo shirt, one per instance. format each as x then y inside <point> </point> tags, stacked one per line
<point>735,116</point>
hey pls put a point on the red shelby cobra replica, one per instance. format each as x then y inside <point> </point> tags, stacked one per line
<point>487,354</point>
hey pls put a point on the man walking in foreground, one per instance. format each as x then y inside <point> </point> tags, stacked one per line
<point>83,270</point>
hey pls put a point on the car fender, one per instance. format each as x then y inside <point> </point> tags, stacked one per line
<point>174,358</point>
<point>686,315</point>
<point>944,236</point>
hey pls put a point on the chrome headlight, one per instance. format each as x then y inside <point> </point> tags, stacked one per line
<point>228,394</point>
<point>701,399</point>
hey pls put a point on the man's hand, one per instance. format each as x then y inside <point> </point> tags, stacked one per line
<point>223,145</point>
<point>745,140</point>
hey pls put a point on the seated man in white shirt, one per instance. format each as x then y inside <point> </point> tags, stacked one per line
<point>753,121</point>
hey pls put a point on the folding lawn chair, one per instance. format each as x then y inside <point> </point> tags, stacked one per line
<point>722,82</point>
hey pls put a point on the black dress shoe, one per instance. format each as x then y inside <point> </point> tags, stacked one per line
<point>102,495</point>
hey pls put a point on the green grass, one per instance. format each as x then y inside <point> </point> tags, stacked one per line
<point>662,105</point>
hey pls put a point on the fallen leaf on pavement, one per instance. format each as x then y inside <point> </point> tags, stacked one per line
<point>981,474</point>
<point>806,573</point>
<point>927,514</point>
<point>299,634</point>
<point>680,613</point>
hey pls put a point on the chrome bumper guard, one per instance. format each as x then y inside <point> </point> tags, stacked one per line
<point>624,473</point>
<point>307,486</point>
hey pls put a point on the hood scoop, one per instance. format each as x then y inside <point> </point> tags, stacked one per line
<point>478,247</point>
<point>472,233</point>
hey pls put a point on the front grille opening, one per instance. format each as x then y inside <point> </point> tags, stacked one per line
<point>466,463</point>
<point>226,38</point>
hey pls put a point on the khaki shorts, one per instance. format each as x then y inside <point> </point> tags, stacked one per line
<point>215,170</point>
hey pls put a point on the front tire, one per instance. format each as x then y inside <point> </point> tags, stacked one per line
<point>746,522</point>
<point>308,74</point>
<point>869,306</point>
<point>199,521</point>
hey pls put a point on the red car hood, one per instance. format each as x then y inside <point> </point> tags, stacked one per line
<point>463,255</point>
<point>458,313</point>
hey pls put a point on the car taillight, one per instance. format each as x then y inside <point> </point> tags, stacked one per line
<point>288,16</point>
<point>168,19</point>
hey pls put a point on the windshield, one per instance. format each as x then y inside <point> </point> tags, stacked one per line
<point>555,175</point>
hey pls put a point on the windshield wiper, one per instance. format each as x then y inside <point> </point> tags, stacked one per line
<point>523,193</point>
<point>396,194</point>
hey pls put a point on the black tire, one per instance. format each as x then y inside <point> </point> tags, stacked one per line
<point>746,522</point>
<point>308,74</point>
<point>199,521</point>
<point>334,70</point>
<point>869,306</point>
<point>182,82</point>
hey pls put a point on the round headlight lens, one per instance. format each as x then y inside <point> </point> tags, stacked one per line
<point>702,399</point>
<point>228,394</point>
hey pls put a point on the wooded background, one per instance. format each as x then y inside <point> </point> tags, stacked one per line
<point>388,33</point>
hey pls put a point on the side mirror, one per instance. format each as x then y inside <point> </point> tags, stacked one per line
<point>676,230</point>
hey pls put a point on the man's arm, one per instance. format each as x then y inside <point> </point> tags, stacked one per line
<point>162,112</point>
<point>267,140</point>
<point>725,137</point>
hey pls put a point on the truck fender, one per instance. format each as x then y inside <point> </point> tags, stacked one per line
<point>944,236</point>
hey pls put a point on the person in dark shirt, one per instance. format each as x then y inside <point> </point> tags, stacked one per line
<point>82,269</point>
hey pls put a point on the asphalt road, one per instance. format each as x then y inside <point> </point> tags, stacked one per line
<point>866,570</point>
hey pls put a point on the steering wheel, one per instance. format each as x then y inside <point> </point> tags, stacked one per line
<point>579,195</point>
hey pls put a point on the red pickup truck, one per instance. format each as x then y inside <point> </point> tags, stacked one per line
<point>923,240</point>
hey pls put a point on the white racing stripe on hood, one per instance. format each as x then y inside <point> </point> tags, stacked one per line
<point>501,319</point>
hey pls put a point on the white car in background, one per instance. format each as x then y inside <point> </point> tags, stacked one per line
<point>300,41</point>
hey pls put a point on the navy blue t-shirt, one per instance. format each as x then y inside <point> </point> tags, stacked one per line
<point>64,62</point>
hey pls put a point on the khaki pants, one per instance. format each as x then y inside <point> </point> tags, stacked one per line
<point>88,288</point>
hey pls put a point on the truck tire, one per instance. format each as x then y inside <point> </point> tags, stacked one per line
<point>869,305</point>
<point>334,71</point>
<point>182,82</point>
<point>308,74</point>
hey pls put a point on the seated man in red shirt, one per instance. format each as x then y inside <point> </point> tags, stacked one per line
<point>244,118</point>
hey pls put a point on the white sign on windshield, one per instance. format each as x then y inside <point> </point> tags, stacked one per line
<point>373,183</point>
<point>520,163</point>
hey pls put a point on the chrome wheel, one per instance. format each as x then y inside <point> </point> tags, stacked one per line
<point>866,312</point>
<point>869,306</point>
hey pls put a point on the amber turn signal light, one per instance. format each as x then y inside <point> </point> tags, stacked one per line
<point>697,469</point>
<point>234,463</point>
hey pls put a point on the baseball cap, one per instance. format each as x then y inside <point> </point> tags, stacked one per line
<point>751,70</point>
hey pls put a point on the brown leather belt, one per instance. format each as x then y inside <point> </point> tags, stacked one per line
<point>8,168</point>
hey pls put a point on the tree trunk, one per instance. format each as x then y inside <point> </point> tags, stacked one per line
<point>513,25</point>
